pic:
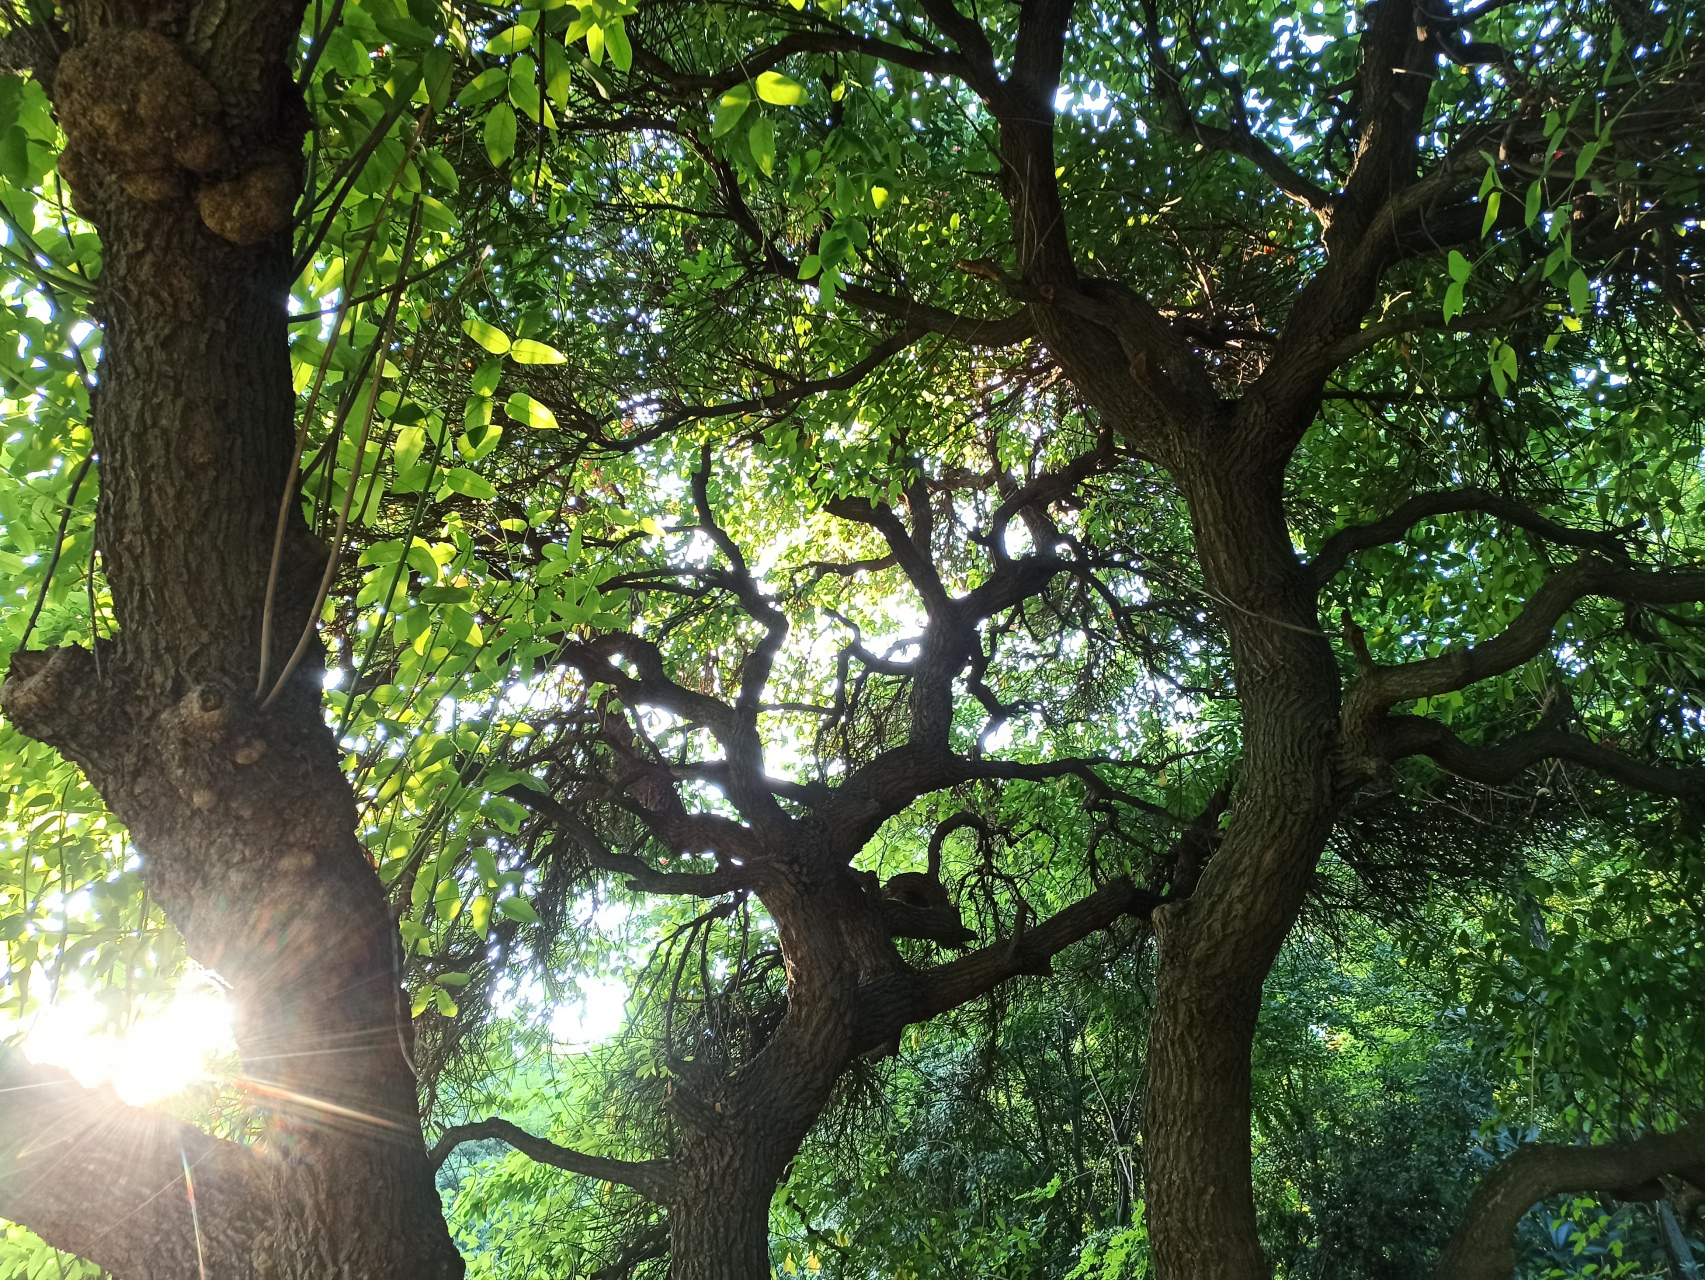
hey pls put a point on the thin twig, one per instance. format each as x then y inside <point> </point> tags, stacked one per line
<point>58,547</point>
<point>385,337</point>
<point>308,413</point>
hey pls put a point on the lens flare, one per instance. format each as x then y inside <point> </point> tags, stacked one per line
<point>163,1051</point>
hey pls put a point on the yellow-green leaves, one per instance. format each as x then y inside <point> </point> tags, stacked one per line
<point>519,909</point>
<point>488,336</point>
<point>509,41</point>
<point>524,409</point>
<point>1580,293</point>
<point>1460,270</point>
<point>762,139</point>
<point>780,90</point>
<point>729,109</point>
<point>483,87</point>
<point>526,351</point>
<point>437,69</point>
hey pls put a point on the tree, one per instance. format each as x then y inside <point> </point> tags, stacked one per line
<point>1331,536</point>
<point>183,131</point>
<point>1249,381</point>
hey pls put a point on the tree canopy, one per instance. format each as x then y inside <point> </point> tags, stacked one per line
<point>897,639</point>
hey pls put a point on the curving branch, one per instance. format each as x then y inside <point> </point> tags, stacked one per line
<point>1483,1246</point>
<point>652,1178</point>
<point>642,876</point>
<point>755,672</point>
<point>832,39</point>
<point>1178,119</point>
<point>893,1003</point>
<point>1500,762</point>
<point>1336,551</point>
<point>917,567</point>
<point>1380,688</point>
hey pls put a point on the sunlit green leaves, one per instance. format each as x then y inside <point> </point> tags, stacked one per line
<point>488,336</point>
<point>524,409</point>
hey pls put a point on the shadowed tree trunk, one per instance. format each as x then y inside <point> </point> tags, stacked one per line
<point>184,130</point>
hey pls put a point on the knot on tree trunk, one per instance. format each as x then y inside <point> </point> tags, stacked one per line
<point>56,697</point>
<point>135,109</point>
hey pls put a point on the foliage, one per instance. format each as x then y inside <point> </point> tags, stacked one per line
<point>544,284</point>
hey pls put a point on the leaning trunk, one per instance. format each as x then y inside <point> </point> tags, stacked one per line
<point>1215,949</point>
<point>243,819</point>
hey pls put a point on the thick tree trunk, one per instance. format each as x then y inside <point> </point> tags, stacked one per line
<point>719,1227</point>
<point>183,144</point>
<point>1216,948</point>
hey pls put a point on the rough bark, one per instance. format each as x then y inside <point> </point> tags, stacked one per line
<point>184,129</point>
<point>1215,948</point>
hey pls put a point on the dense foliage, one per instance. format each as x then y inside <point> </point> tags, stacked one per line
<point>653,334</point>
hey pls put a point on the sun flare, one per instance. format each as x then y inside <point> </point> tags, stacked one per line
<point>164,1050</point>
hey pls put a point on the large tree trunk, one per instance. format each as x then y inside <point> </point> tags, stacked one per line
<point>1216,948</point>
<point>244,821</point>
<point>719,1222</point>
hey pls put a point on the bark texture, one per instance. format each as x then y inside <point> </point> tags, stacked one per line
<point>184,129</point>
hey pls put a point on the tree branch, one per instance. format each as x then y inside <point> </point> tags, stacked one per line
<point>1381,688</point>
<point>1483,1246</point>
<point>652,1178</point>
<point>1177,118</point>
<point>642,877</point>
<point>1336,551</point>
<point>106,1181</point>
<point>893,1003</point>
<point>1502,761</point>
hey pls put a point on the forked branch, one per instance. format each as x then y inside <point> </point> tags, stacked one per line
<point>1500,762</point>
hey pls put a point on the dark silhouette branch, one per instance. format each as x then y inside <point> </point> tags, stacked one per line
<point>896,1002</point>
<point>1335,553</point>
<point>653,1178</point>
<point>1500,762</point>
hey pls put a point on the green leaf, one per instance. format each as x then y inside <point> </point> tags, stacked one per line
<point>451,979</point>
<point>487,85</point>
<point>526,351</point>
<point>438,69</point>
<point>519,909</point>
<point>557,78</point>
<point>470,483</point>
<point>1491,218</point>
<point>477,413</point>
<point>1580,293</point>
<point>1453,301</point>
<point>780,90</point>
<point>488,336</point>
<point>762,139</point>
<point>616,39</point>
<point>1530,215</point>
<point>524,409</point>
<point>486,377</point>
<point>510,40</point>
<point>524,87</point>
<point>500,133</point>
<point>1460,267</point>
<point>595,44</point>
<point>729,109</point>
